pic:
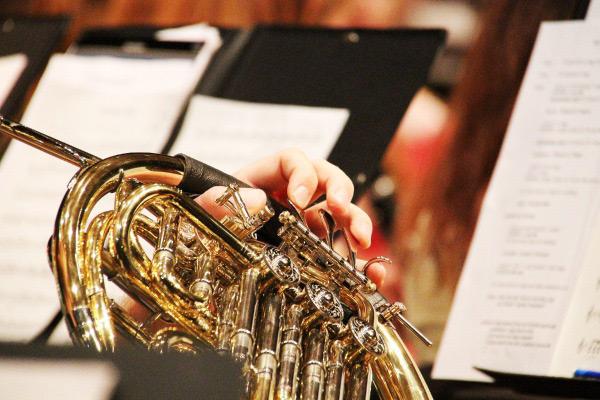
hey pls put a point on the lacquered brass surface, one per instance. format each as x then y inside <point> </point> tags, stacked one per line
<point>302,320</point>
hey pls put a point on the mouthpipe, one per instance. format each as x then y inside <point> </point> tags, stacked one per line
<point>47,144</point>
<point>197,178</point>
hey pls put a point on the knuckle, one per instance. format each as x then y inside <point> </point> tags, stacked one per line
<point>292,153</point>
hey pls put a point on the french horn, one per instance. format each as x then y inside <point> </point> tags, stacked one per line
<point>298,316</point>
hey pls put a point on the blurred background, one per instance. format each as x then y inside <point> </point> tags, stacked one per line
<point>458,16</point>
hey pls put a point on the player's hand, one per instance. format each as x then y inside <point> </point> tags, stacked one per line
<point>290,175</point>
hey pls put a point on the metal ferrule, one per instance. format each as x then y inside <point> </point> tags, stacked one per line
<point>290,352</point>
<point>201,289</point>
<point>242,341</point>
<point>163,261</point>
<point>226,326</point>
<point>313,373</point>
<point>265,363</point>
<point>334,379</point>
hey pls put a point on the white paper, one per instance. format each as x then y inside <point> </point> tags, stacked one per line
<point>196,33</point>
<point>11,68</point>
<point>103,105</point>
<point>593,11</point>
<point>229,134</point>
<point>538,221</point>
<point>579,342</point>
<point>56,380</point>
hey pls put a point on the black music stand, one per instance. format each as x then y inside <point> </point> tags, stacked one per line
<point>37,38</point>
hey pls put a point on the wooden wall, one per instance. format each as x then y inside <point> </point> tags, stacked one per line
<point>233,13</point>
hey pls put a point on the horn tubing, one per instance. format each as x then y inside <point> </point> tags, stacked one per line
<point>47,144</point>
<point>67,252</point>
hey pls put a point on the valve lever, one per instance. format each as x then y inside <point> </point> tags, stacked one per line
<point>297,212</point>
<point>329,225</point>
<point>393,313</point>
<point>232,200</point>
<point>351,252</point>
<point>378,259</point>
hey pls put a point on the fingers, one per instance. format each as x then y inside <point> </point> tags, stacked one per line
<point>354,220</point>
<point>376,272</point>
<point>286,174</point>
<point>336,185</point>
<point>254,199</point>
<point>291,174</point>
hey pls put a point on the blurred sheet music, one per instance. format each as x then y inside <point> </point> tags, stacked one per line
<point>230,134</point>
<point>196,33</point>
<point>593,11</point>
<point>57,379</point>
<point>11,68</point>
<point>528,299</point>
<point>105,105</point>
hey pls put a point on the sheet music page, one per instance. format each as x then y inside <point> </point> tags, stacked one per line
<point>57,379</point>
<point>11,68</point>
<point>229,134</point>
<point>196,33</point>
<point>538,220</point>
<point>579,343</point>
<point>593,11</point>
<point>104,105</point>
<point>201,32</point>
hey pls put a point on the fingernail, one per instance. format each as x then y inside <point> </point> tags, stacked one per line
<point>301,196</point>
<point>254,199</point>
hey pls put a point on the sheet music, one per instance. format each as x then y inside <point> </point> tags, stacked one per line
<point>538,221</point>
<point>579,343</point>
<point>11,68</point>
<point>195,33</point>
<point>593,11</point>
<point>104,105</point>
<point>57,380</point>
<point>229,134</point>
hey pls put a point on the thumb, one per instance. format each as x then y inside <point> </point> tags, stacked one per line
<point>254,199</point>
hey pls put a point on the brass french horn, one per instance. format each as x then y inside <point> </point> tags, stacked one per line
<point>302,319</point>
